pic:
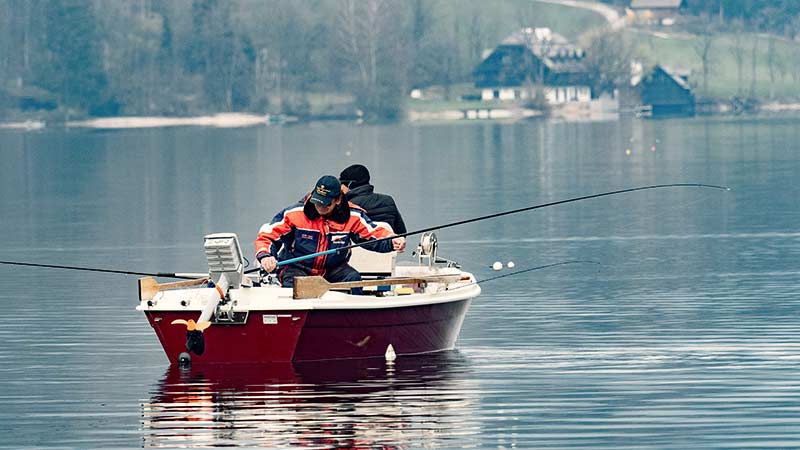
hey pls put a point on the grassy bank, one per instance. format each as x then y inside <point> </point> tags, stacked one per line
<point>677,50</point>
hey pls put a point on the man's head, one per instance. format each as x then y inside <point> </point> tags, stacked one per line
<point>327,194</point>
<point>354,176</point>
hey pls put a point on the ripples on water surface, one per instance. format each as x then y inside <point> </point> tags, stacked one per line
<point>685,335</point>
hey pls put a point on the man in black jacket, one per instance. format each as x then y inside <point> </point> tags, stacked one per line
<point>379,207</point>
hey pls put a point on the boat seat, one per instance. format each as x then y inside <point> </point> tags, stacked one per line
<point>373,264</point>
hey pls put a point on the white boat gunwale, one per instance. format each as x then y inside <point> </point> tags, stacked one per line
<point>279,298</point>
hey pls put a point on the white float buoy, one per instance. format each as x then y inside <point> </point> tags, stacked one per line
<point>510,264</point>
<point>390,354</point>
<point>497,265</point>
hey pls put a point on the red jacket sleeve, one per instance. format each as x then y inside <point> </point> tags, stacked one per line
<point>269,233</point>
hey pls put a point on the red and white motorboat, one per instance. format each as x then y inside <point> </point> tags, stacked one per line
<point>228,316</point>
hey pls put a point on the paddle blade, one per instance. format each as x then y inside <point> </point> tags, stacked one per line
<point>191,325</point>
<point>309,287</point>
<point>148,288</point>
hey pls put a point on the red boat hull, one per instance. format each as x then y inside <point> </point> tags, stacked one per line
<point>318,334</point>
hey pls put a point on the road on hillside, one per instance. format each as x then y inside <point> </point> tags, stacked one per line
<point>612,16</point>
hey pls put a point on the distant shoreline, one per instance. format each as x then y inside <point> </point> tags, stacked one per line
<point>242,120</point>
<point>222,120</point>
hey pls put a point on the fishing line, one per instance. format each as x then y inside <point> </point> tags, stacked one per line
<point>537,268</point>
<point>546,266</point>
<point>680,206</point>
<point>683,205</point>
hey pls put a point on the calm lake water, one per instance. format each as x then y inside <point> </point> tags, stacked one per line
<point>687,335</point>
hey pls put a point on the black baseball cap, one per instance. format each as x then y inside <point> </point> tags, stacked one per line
<point>326,190</point>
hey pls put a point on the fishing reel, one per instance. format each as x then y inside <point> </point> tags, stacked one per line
<point>268,279</point>
<point>427,248</point>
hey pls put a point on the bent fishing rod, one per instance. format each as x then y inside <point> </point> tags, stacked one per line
<point>492,216</point>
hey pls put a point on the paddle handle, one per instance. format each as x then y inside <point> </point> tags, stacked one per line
<point>148,287</point>
<point>180,284</point>
<point>398,280</point>
<point>384,282</point>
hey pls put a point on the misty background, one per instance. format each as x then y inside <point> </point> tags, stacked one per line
<point>61,59</point>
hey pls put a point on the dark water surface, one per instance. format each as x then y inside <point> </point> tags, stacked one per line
<point>687,335</point>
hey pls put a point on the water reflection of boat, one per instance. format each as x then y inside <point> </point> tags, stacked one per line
<point>354,404</point>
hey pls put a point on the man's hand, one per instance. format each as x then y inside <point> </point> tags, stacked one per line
<point>269,263</point>
<point>399,244</point>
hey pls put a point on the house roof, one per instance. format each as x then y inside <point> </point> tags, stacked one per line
<point>553,49</point>
<point>656,4</point>
<point>677,75</point>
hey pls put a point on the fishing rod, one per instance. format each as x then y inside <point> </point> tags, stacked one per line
<point>185,276</point>
<point>492,216</point>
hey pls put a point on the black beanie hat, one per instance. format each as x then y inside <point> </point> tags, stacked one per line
<point>354,176</point>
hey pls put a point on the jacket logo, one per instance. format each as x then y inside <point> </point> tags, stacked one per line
<point>306,236</point>
<point>338,239</point>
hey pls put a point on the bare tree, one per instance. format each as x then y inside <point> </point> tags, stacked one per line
<point>368,38</point>
<point>608,60</point>
<point>738,51</point>
<point>754,63</point>
<point>795,64</point>
<point>703,48</point>
<point>420,34</point>
<point>537,44</point>
<point>794,33</point>
<point>476,37</point>
<point>356,38</point>
<point>771,64</point>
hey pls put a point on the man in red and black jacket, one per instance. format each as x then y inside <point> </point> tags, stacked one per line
<point>322,221</point>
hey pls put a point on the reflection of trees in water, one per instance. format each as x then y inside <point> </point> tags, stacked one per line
<point>365,403</point>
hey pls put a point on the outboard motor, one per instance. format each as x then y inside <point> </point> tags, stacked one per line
<point>225,270</point>
<point>224,258</point>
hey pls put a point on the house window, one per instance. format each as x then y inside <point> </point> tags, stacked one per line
<point>496,93</point>
<point>507,94</point>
